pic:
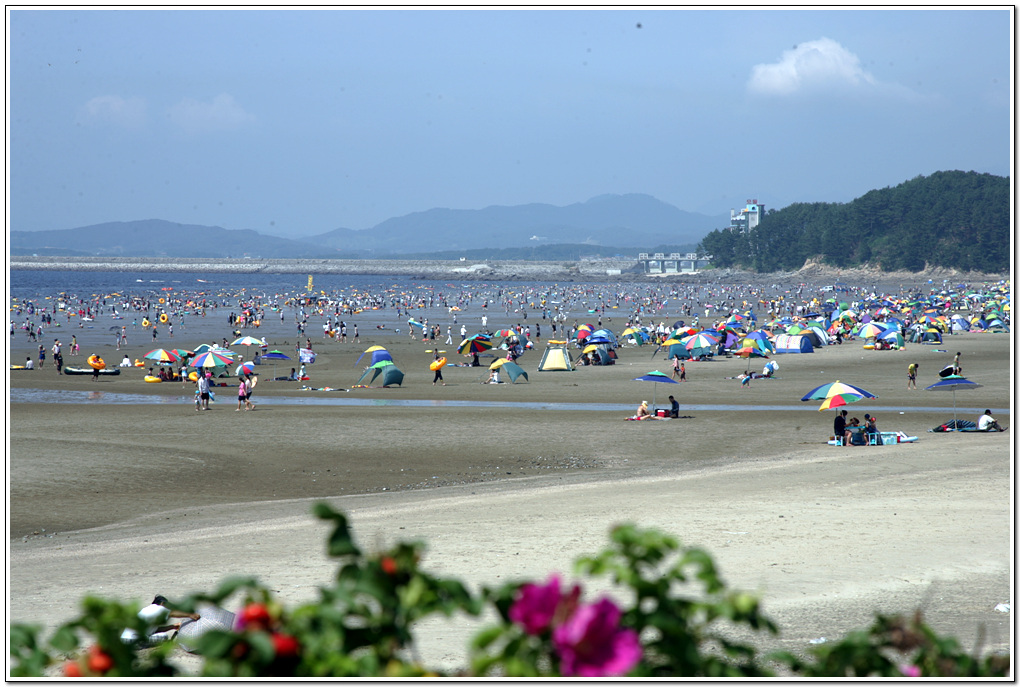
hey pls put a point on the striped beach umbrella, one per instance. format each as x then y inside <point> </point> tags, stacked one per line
<point>211,359</point>
<point>161,355</point>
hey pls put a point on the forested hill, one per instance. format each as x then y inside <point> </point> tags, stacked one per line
<point>949,219</point>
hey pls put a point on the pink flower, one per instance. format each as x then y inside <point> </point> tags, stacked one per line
<point>537,606</point>
<point>591,643</point>
<point>910,670</point>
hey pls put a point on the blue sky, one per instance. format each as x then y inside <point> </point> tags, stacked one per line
<point>294,123</point>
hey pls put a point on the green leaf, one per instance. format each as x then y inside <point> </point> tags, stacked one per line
<point>64,639</point>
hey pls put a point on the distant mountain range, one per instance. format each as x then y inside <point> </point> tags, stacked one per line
<point>633,222</point>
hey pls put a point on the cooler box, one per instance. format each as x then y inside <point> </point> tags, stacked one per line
<point>661,412</point>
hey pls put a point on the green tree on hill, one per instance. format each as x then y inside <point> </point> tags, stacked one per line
<point>949,219</point>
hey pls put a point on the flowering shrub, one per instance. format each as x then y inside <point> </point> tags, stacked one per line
<point>361,626</point>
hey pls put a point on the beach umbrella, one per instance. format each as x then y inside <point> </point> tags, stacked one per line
<point>245,369</point>
<point>474,345</point>
<point>183,352</point>
<point>836,394</point>
<point>655,376</point>
<point>246,341</point>
<point>370,349</point>
<point>953,383</point>
<point>161,355</point>
<point>749,352</point>
<point>699,340</point>
<point>871,330</point>
<point>498,364</point>
<point>894,336</point>
<point>274,356</point>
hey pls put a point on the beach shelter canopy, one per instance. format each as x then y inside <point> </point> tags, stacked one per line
<point>556,358</point>
<point>514,371</point>
<point>390,375</point>
<point>785,343</point>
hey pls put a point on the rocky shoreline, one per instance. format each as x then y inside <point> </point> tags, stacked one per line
<point>609,270</point>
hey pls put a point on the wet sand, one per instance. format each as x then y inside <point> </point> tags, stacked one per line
<point>129,501</point>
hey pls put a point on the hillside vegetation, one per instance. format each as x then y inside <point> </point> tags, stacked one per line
<point>954,219</point>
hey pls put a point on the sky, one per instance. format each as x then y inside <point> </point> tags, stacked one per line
<point>297,122</point>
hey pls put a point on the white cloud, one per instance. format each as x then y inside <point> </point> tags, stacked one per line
<point>128,112</point>
<point>221,114</point>
<point>823,64</point>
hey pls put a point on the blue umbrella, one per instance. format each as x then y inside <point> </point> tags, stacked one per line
<point>274,356</point>
<point>952,383</point>
<point>656,377</point>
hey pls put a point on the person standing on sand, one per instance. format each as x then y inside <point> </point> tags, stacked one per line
<point>912,376</point>
<point>241,393</point>
<point>439,370</point>
<point>203,392</point>
<point>248,386</point>
<point>683,373</point>
<point>957,370</point>
<point>58,359</point>
<point>676,367</point>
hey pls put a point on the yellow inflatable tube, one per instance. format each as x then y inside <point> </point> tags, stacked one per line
<point>96,363</point>
<point>152,380</point>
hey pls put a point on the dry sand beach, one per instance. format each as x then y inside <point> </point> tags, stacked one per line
<point>132,499</point>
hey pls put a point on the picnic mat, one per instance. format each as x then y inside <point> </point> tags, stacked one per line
<point>213,618</point>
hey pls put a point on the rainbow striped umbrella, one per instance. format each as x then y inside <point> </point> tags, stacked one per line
<point>161,355</point>
<point>700,340</point>
<point>836,394</point>
<point>871,330</point>
<point>211,359</point>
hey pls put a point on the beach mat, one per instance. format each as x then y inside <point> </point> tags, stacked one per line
<point>213,618</point>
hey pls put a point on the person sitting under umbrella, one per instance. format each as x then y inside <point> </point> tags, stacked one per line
<point>871,427</point>
<point>987,423</point>
<point>643,413</point>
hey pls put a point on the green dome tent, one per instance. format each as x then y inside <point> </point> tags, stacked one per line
<point>391,376</point>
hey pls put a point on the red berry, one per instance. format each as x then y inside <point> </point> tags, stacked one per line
<point>286,646</point>
<point>389,565</point>
<point>255,614</point>
<point>72,669</point>
<point>99,661</point>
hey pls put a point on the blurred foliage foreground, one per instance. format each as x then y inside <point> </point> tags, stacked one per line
<point>362,625</point>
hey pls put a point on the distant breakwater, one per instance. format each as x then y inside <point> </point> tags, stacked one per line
<point>491,270</point>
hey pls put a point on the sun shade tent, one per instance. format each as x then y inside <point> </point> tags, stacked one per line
<point>391,376</point>
<point>786,343</point>
<point>556,358</point>
<point>513,371</point>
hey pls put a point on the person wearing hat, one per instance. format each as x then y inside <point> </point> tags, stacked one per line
<point>871,427</point>
<point>987,423</point>
<point>642,411</point>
